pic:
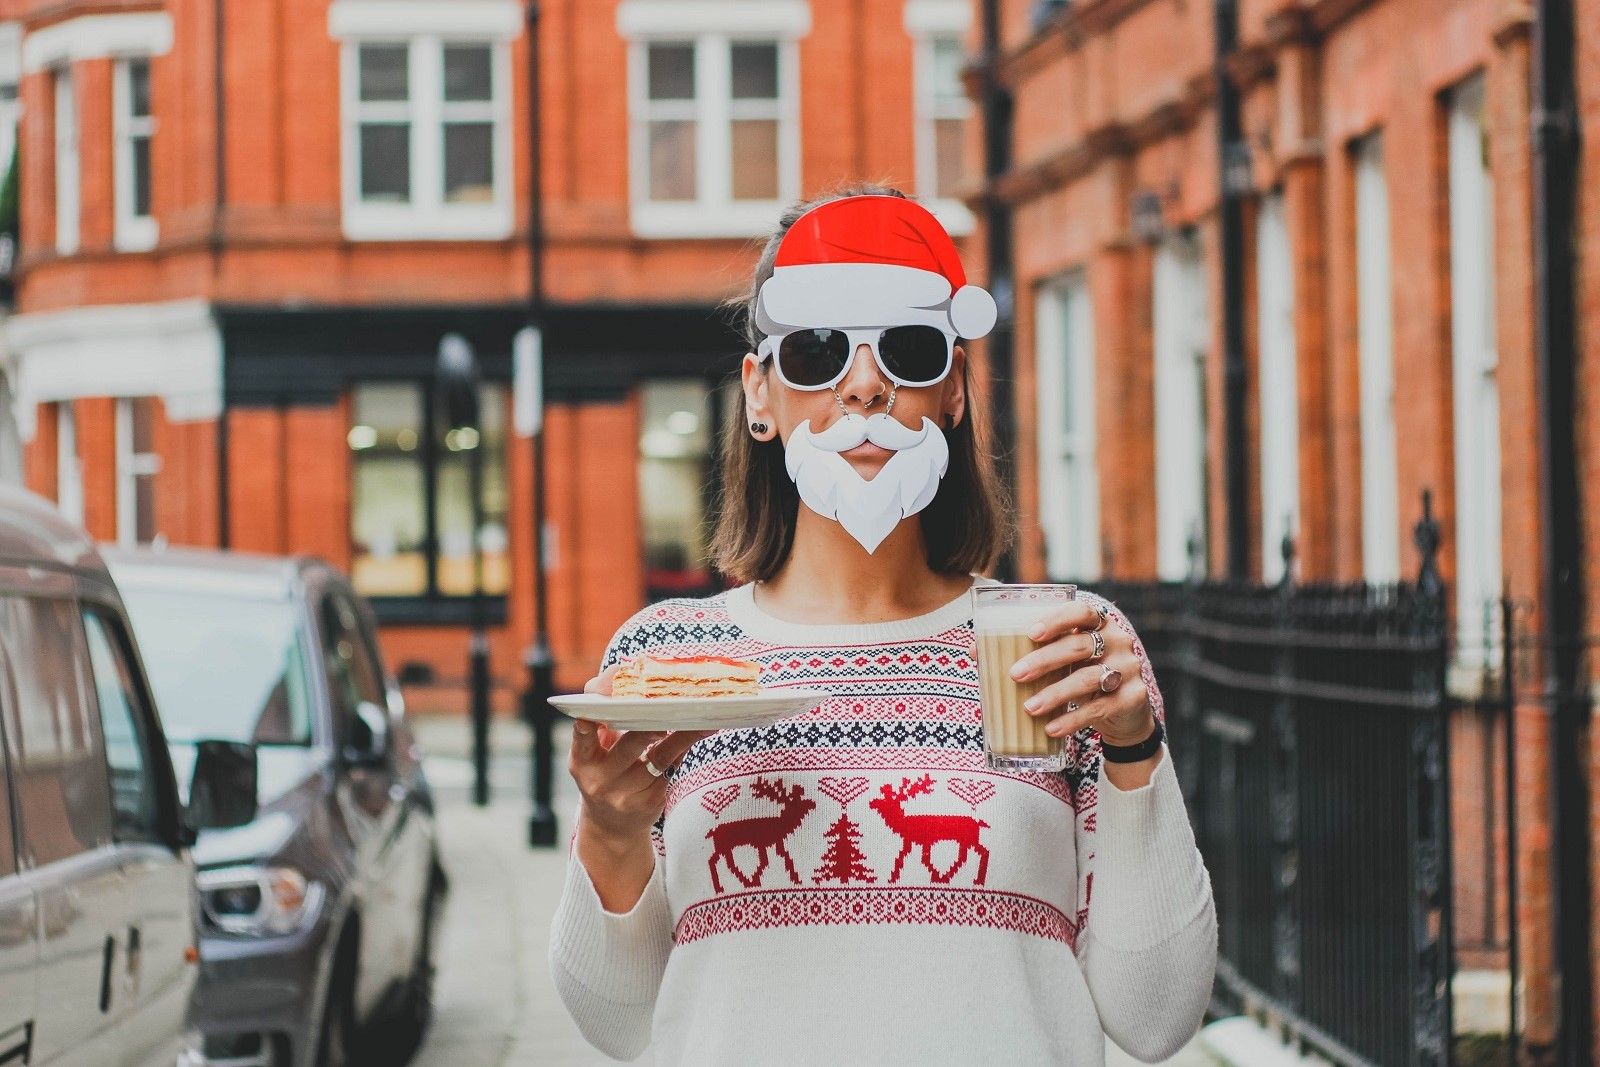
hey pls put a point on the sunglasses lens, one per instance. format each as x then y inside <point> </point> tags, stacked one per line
<point>914,354</point>
<point>813,357</point>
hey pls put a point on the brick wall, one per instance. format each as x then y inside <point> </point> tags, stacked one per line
<point>1312,79</point>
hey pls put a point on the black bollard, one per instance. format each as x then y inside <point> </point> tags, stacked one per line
<point>480,718</point>
<point>541,717</point>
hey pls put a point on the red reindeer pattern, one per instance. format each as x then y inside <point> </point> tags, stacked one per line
<point>761,833</point>
<point>929,830</point>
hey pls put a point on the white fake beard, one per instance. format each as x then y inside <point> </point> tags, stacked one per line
<point>868,510</point>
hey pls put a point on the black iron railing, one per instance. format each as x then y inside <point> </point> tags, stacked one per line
<point>1308,726</point>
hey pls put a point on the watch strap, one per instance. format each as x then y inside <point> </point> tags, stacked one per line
<point>1135,753</point>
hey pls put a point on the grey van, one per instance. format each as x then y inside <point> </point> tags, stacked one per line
<point>319,918</point>
<point>97,893</point>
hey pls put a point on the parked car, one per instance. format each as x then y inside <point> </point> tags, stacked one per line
<point>319,918</point>
<point>98,922</point>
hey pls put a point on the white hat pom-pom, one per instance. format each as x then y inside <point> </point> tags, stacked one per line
<point>972,312</point>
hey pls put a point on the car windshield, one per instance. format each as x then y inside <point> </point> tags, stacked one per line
<point>223,667</point>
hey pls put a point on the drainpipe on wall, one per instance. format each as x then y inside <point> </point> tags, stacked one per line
<point>219,162</point>
<point>1230,225</point>
<point>1555,163</point>
<point>1002,278</point>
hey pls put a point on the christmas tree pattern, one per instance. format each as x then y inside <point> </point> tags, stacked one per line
<point>843,861</point>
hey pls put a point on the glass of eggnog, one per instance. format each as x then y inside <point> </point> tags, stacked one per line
<point>1002,618</point>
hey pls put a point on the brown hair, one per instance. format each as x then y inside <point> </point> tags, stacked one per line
<point>966,527</point>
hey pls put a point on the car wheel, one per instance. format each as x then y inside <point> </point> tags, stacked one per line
<point>339,1015</point>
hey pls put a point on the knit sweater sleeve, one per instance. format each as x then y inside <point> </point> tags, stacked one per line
<point>607,966</point>
<point>1149,946</point>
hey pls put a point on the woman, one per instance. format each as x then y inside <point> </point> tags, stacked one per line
<point>917,907</point>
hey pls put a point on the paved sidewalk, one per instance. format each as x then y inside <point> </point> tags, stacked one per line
<point>497,1005</point>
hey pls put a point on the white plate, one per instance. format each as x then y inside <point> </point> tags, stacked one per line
<point>690,713</point>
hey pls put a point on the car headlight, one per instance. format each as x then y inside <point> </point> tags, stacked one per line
<point>258,900</point>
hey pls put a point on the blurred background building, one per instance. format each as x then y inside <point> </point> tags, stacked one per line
<point>248,226</point>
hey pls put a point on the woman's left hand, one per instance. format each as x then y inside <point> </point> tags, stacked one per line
<point>1067,640</point>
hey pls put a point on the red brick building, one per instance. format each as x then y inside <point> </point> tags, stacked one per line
<point>247,226</point>
<point>1385,161</point>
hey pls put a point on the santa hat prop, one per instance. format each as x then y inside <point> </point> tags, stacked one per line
<point>864,261</point>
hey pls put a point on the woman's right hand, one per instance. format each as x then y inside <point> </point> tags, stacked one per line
<point>621,798</point>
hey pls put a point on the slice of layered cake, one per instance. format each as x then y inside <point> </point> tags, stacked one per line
<point>686,676</point>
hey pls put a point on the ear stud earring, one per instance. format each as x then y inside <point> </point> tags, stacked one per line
<point>758,427</point>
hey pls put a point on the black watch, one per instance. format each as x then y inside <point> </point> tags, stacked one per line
<point>1135,753</point>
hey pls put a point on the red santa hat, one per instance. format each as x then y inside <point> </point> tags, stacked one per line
<point>873,260</point>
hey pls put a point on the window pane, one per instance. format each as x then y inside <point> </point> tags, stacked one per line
<point>469,162</point>
<point>386,162</point>
<point>388,501</point>
<point>139,88</point>
<point>133,797</point>
<point>385,72</point>
<point>755,71</point>
<point>353,677</point>
<point>755,159</point>
<point>672,167</point>
<point>671,71</point>
<point>58,764</point>
<point>454,517</point>
<point>141,175</point>
<point>949,143</point>
<point>674,467</point>
<point>948,59</point>
<point>468,73</point>
<point>222,666</point>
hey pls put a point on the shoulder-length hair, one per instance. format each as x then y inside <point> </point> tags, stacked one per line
<point>965,528</point>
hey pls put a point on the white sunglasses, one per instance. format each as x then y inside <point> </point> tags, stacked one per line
<point>819,358</point>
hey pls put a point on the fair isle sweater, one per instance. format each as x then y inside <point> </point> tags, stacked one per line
<point>915,907</point>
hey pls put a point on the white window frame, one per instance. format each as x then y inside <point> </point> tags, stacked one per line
<point>428,217</point>
<point>927,22</point>
<point>1475,361</point>
<point>714,212</point>
<point>133,232</point>
<point>1279,385</point>
<point>69,465</point>
<point>68,165</point>
<point>1069,486</point>
<point>1182,338</point>
<point>130,467</point>
<point>1380,493</point>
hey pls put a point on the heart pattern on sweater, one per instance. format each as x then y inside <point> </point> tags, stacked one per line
<point>716,801</point>
<point>844,790</point>
<point>973,790</point>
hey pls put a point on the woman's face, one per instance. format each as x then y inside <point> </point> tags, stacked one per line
<point>863,391</point>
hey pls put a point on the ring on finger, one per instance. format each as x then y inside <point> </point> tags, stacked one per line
<point>1110,679</point>
<point>1101,615</point>
<point>655,772</point>
<point>1099,646</point>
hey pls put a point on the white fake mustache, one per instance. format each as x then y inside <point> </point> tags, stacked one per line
<point>869,510</point>
<point>852,430</point>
